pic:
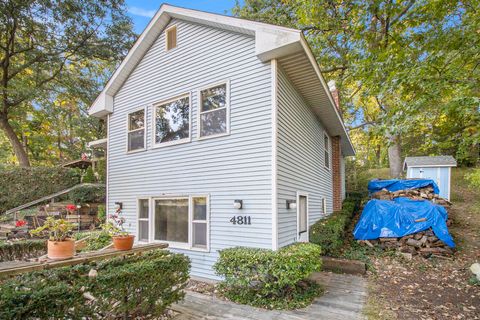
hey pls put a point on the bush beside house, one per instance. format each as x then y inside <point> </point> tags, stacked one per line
<point>270,279</point>
<point>329,232</point>
<point>128,287</point>
<point>22,185</point>
<point>20,250</point>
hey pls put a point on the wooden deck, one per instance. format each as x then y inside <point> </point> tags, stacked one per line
<point>343,299</point>
<point>11,268</point>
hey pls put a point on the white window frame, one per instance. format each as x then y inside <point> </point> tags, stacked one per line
<point>180,245</point>
<point>326,148</point>
<point>173,26</point>
<point>148,218</point>
<point>154,129</point>
<point>227,107</point>
<point>304,194</point>
<point>144,130</point>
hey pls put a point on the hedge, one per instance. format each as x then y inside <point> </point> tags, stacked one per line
<point>87,194</point>
<point>270,279</point>
<point>329,232</point>
<point>140,286</point>
<point>22,185</point>
<point>21,250</point>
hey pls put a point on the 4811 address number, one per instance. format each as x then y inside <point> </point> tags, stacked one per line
<point>241,220</point>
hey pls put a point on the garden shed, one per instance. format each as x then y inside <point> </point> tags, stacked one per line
<point>437,168</point>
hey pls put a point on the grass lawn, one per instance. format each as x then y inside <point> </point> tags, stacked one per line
<point>432,288</point>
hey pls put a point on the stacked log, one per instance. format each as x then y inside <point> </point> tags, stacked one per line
<point>423,243</point>
<point>425,193</point>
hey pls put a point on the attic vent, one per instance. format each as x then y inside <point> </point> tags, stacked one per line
<point>171,37</point>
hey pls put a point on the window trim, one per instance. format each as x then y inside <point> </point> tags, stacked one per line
<point>148,219</point>
<point>227,107</point>
<point>144,108</point>
<point>326,148</point>
<point>173,26</point>
<point>154,130</point>
<point>180,245</point>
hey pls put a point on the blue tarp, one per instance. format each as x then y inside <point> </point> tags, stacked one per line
<point>396,218</point>
<point>397,184</point>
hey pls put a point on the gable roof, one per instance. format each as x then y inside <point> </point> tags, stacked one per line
<point>271,42</point>
<point>437,161</point>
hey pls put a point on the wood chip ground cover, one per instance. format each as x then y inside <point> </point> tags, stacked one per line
<point>433,288</point>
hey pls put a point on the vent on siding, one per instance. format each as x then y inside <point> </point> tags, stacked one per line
<point>171,37</point>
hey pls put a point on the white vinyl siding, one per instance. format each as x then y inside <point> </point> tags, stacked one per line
<point>301,161</point>
<point>234,166</point>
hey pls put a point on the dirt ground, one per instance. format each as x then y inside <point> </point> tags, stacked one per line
<point>433,288</point>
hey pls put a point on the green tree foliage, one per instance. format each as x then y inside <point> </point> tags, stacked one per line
<point>408,71</point>
<point>54,55</point>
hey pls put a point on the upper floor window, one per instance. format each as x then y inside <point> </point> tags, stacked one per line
<point>327,150</point>
<point>213,116</point>
<point>136,130</point>
<point>171,37</point>
<point>172,121</point>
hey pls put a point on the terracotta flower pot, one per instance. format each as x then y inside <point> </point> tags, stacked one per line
<point>61,250</point>
<point>123,242</point>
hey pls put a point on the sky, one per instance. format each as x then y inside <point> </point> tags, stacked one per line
<point>141,11</point>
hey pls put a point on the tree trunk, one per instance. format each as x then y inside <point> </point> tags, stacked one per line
<point>395,156</point>
<point>17,146</point>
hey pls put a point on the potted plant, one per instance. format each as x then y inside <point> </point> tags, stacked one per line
<point>60,245</point>
<point>122,240</point>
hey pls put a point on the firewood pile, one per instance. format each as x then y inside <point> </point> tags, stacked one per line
<point>424,243</point>
<point>425,193</point>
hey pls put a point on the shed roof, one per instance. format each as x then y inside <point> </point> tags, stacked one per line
<point>436,161</point>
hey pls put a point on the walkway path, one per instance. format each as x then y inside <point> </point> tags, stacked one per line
<point>343,299</point>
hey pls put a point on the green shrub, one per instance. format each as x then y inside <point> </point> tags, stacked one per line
<point>20,250</point>
<point>87,194</point>
<point>22,185</point>
<point>102,213</point>
<point>96,239</point>
<point>270,279</point>
<point>473,178</point>
<point>329,232</point>
<point>131,287</point>
<point>89,176</point>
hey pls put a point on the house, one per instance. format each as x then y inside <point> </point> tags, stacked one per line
<point>438,168</point>
<point>221,132</point>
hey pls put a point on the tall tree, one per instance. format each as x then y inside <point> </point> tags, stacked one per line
<point>394,62</point>
<point>45,48</point>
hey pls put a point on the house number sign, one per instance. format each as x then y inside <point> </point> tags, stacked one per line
<point>241,220</point>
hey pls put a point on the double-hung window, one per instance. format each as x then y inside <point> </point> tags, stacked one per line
<point>181,221</point>
<point>172,121</point>
<point>326,145</point>
<point>136,130</point>
<point>213,115</point>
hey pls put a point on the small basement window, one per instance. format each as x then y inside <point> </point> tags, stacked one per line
<point>327,150</point>
<point>136,131</point>
<point>171,37</point>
